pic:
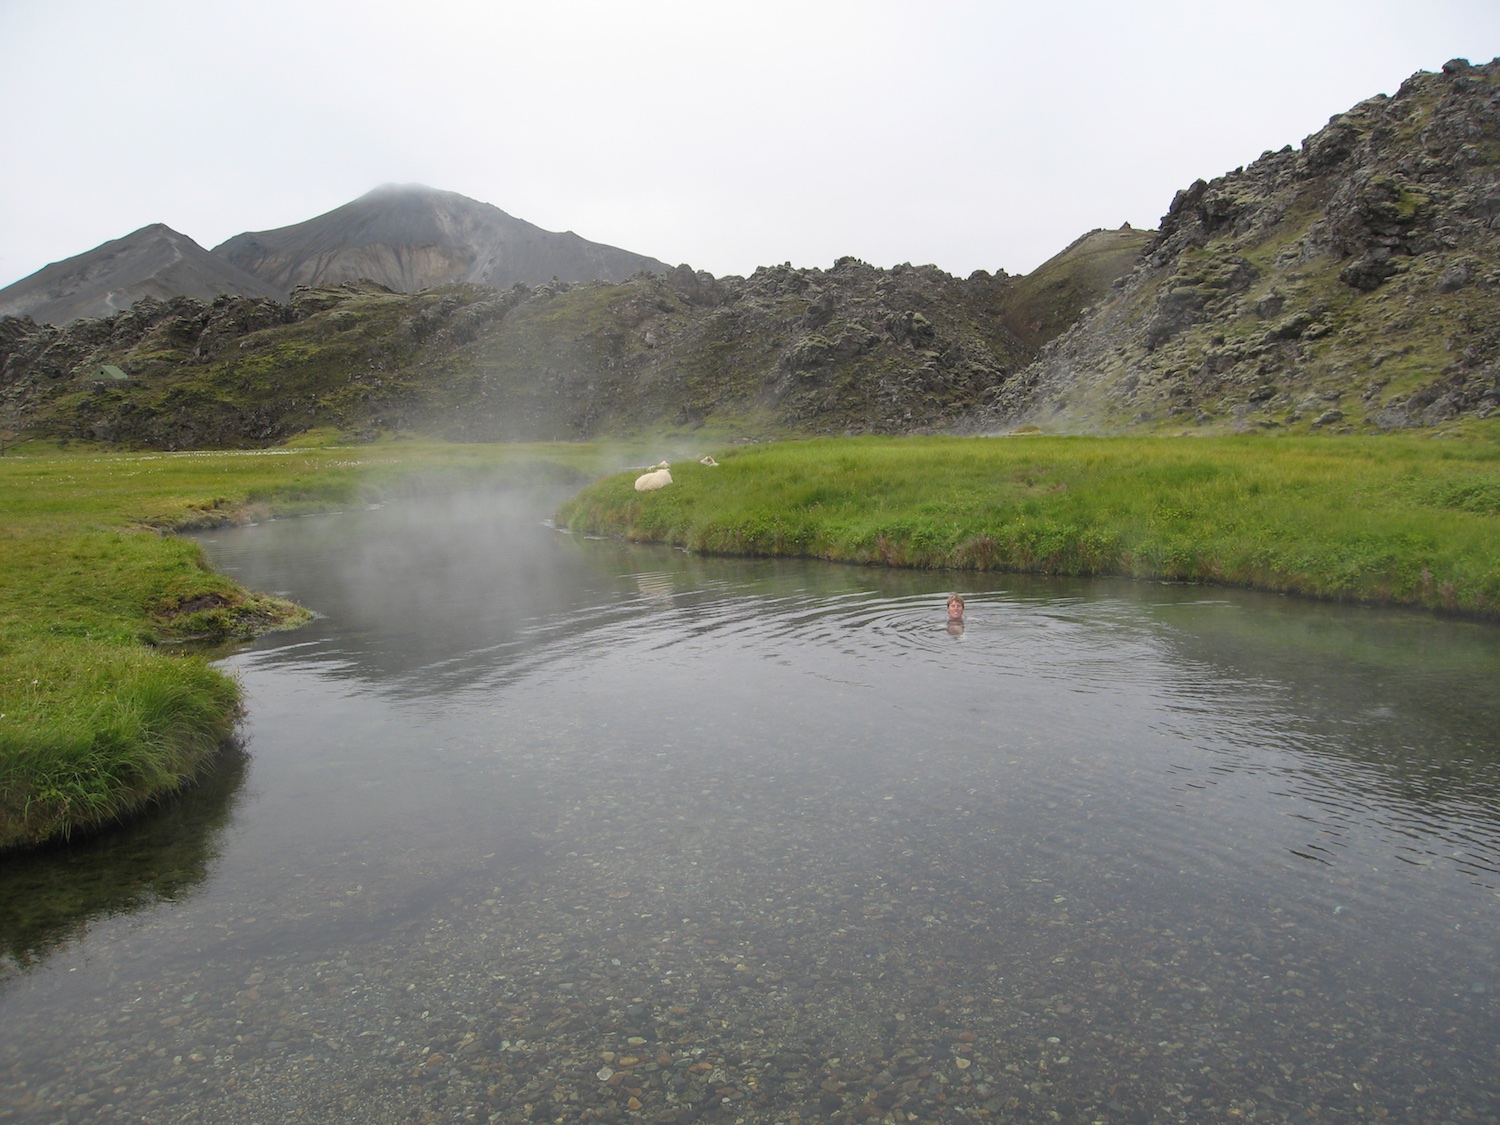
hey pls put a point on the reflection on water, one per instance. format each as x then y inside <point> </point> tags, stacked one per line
<point>542,828</point>
<point>50,895</point>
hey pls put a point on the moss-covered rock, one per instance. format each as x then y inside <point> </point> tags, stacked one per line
<point>1358,276</point>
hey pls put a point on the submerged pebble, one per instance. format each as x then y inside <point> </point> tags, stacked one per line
<point>779,871</point>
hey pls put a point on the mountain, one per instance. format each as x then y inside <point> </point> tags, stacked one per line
<point>1352,284</point>
<point>409,237</point>
<point>406,238</point>
<point>1348,285</point>
<point>155,261</point>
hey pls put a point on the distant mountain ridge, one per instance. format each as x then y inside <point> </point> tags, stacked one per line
<point>409,237</point>
<point>155,261</point>
<point>404,237</point>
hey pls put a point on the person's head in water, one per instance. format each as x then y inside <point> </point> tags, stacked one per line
<point>955,608</point>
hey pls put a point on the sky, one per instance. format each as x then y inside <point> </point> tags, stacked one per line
<point>726,135</point>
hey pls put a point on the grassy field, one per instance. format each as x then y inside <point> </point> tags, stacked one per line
<point>1396,520</point>
<point>103,707</point>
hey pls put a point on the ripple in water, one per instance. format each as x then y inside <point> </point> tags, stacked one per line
<point>764,840</point>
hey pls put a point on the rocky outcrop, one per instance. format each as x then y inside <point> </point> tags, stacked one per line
<point>846,350</point>
<point>409,238</point>
<point>1349,284</point>
<point>850,349</point>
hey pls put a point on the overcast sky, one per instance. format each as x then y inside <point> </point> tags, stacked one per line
<point>726,135</point>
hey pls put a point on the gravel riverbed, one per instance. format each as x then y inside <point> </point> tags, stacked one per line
<point>677,945</point>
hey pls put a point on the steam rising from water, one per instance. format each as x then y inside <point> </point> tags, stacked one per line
<point>455,603</point>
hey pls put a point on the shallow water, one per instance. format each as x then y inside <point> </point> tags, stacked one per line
<point>532,827</point>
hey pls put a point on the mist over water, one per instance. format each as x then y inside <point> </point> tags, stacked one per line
<point>592,825</point>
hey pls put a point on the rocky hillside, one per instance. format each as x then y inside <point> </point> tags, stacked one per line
<point>155,261</point>
<point>409,237</point>
<point>1352,284</point>
<point>785,351</point>
<point>1349,285</point>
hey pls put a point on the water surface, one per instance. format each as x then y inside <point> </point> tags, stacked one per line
<point>533,827</point>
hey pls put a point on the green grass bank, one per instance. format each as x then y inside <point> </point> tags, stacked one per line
<point>105,706</point>
<point>1409,521</point>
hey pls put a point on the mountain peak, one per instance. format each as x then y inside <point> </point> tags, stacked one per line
<point>410,237</point>
<point>404,189</point>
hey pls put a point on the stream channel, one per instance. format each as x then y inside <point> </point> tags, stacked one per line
<point>533,827</point>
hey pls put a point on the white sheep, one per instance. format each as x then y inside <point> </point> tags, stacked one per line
<point>709,461</point>
<point>650,482</point>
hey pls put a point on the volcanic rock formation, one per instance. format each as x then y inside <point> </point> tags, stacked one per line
<point>1353,283</point>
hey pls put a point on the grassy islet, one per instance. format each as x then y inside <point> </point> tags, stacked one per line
<point>1391,520</point>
